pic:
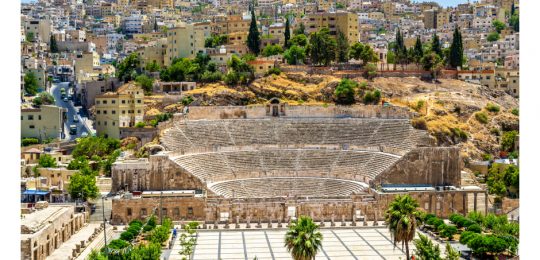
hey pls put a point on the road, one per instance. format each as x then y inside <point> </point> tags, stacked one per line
<point>71,112</point>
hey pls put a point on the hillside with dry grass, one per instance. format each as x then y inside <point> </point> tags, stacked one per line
<point>447,109</point>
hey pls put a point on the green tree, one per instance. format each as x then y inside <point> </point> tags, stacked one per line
<point>418,52</point>
<point>342,48</point>
<point>300,40</point>
<point>254,37</point>
<point>508,140</point>
<point>47,161</point>
<point>456,50</point>
<point>499,26</point>
<point>31,83</point>
<point>53,45</point>
<point>371,70</point>
<point>323,47</point>
<point>303,240</point>
<point>425,249</point>
<point>128,67</point>
<point>295,55</point>
<point>436,46</point>
<point>363,52</point>
<point>401,217</point>
<point>152,67</point>
<point>345,91</point>
<point>147,83</point>
<point>272,50</point>
<point>30,37</point>
<point>83,186</point>
<point>451,253</point>
<point>300,30</point>
<point>43,98</point>
<point>514,21</point>
<point>494,36</point>
<point>432,63</point>
<point>287,32</point>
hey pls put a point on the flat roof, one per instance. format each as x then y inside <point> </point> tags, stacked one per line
<point>39,218</point>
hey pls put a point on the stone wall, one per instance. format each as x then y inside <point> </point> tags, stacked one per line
<point>436,166</point>
<point>176,208</point>
<point>145,135</point>
<point>260,111</point>
<point>38,244</point>
<point>156,173</point>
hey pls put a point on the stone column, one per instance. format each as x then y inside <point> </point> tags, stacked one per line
<point>464,203</point>
<point>343,221</point>
<point>453,202</point>
<point>332,223</point>
<point>486,202</point>
<point>237,222</point>
<point>475,198</point>
<point>430,210</point>
<point>248,222</point>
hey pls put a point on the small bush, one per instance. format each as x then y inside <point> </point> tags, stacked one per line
<point>515,112</point>
<point>135,222</point>
<point>419,105</point>
<point>448,231</point>
<point>140,125</point>
<point>457,132</point>
<point>419,123</point>
<point>29,141</point>
<point>475,228</point>
<point>481,117</point>
<point>118,244</point>
<point>493,108</point>
<point>495,131</point>
<point>187,100</point>
<point>487,157</point>
<point>273,71</point>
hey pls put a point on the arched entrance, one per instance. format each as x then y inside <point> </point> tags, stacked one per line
<point>275,108</point>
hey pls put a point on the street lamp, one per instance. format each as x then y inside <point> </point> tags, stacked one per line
<point>104,225</point>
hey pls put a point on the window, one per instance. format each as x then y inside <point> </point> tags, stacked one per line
<point>164,212</point>
<point>104,122</point>
<point>123,101</point>
<point>113,101</point>
<point>129,211</point>
<point>123,111</point>
<point>143,212</point>
<point>104,112</point>
<point>98,123</point>
<point>190,211</point>
<point>30,117</point>
<point>22,117</point>
<point>138,101</point>
<point>113,112</point>
<point>39,116</point>
<point>97,102</point>
<point>99,112</point>
<point>31,126</point>
<point>113,123</point>
<point>176,212</point>
<point>138,111</point>
<point>104,102</point>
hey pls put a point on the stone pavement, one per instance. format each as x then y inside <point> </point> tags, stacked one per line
<point>338,243</point>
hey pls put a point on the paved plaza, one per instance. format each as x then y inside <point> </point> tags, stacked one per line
<point>345,243</point>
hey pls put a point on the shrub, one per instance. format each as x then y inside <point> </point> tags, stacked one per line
<point>487,157</point>
<point>481,117</point>
<point>466,236</point>
<point>419,123</point>
<point>29,141</point>
<point>127,236</point>
<point>515,112</point>
<point>140,125</point>
<point>476,216</point>
<point>448,231</point>
<point>508,140</point>
<point>495,131</point>
<point>429,216</point>
<point>273,71</point>
<point>187,100</point>
<point>475,228</point>
<point>344,92</point>
<point>419,105</point>
<point>118,244</point>
<point>135,222</point>
<point>493,108</point>
<point>457,132</point>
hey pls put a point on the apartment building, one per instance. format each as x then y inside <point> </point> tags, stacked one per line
<point>153,52</point>
<point>40,29</point>
<point>344,22</point>
<point>114,110</point>
<point>42,122</point>
<point>186,41</point>
<point>230,24</point>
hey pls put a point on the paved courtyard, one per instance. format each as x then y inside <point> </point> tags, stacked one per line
<point>358,243</point>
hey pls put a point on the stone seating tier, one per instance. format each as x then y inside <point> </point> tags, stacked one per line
<point>277,187</point>
<point>396,133</point>
<point>342,164</point>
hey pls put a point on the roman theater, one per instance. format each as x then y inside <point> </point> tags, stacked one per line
<point>270,163</point>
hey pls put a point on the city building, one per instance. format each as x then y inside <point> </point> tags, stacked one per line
<point>44,122</point>
<point>344,22</point>
<point>115,110</point>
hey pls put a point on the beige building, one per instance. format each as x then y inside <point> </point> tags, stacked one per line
<point>339,21</point>
<point>154,52</point>
<point>430,19</point>
<point>186,41</point>
<point>230,24</point>
<point>123,108</point>
<point>41,29</point>
<point>43,122</point>
<point>44,230</point>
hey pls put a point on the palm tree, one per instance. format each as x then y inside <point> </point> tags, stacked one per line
<point>302,239</point>
<point>401,217</point>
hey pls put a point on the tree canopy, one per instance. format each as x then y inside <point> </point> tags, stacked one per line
<point>254,37</point>
<point>456,50</point>
<point>43,98</point>
<point>323,47</point>
<point>345,92</point>
<point>303,240</point>
<point>31,83</point>
<point>295,55</point>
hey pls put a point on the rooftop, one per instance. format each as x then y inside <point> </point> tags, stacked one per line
<point>33,222</point>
